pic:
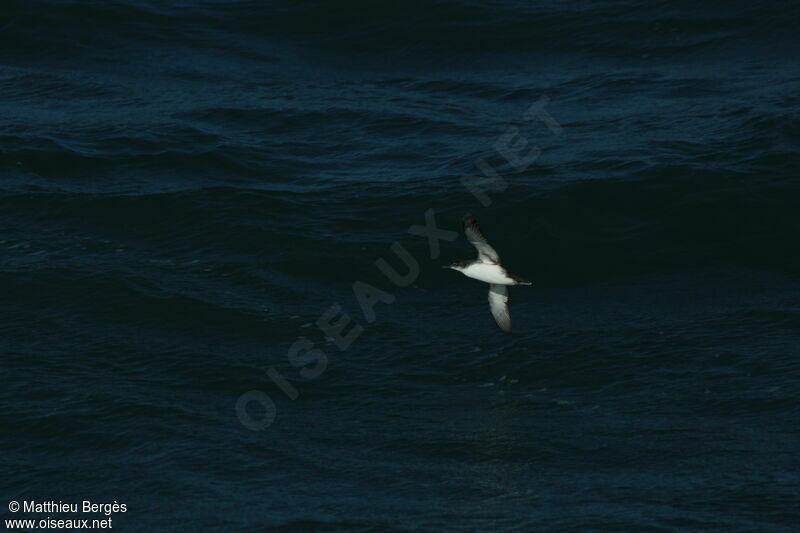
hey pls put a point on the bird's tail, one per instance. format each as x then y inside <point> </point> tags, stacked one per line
<point>519,279</point>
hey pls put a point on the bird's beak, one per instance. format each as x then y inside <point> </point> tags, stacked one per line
<point>446,266</point>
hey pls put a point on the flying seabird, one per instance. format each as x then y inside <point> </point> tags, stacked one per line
<point>487,268</point>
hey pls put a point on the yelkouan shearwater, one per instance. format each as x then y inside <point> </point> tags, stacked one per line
<point>487,268</point>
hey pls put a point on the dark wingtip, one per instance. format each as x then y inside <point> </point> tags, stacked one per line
<point>469,220</point>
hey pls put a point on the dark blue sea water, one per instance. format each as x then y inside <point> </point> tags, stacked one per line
<point>186,188</point>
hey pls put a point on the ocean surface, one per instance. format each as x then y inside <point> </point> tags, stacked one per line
<point>190,191</point>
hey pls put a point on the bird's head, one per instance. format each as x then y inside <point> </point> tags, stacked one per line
<point>458,265</point>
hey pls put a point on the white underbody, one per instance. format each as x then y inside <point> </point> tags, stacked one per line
<point>488,273</point>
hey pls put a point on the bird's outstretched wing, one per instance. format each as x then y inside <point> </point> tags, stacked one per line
<point>498,303</point>
<point>486,254</point>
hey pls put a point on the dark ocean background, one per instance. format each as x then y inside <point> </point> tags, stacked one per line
<point>186,187</point>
